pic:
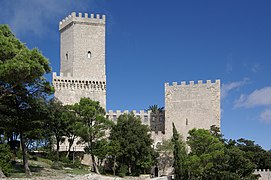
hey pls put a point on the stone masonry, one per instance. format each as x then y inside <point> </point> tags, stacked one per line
<point>191,106</point>
<point>82,59</point>
<point>82,74</point>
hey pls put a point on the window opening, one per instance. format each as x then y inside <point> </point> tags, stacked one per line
<point>89,54</point>
<point>67,56</point>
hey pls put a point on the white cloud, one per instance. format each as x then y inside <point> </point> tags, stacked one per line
<point>266,116</point>
<point>35,16</point>
<point>226,88</point>
<point>261,97</point>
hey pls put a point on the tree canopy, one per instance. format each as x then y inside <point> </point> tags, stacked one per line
<point>23,88</point>
<point>91,126</point>
<point>135,141</point>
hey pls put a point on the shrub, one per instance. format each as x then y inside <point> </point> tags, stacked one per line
<point>57,165</point>
<point>123,170</point>
<point>5,159</point>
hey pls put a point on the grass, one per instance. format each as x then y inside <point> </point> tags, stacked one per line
<point>42,167</point>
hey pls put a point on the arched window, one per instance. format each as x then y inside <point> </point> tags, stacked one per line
<point>186,121</point>
<point>67,56</point>
<point>89,54</point>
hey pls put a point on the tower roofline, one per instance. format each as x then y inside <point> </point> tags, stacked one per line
<point>96,19</point>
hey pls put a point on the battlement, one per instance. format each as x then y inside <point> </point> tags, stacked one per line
<point>68,82</point>
<point>143,115</point>
<point>262,170</point>
<point>192,83</point>
<point>79,18</point>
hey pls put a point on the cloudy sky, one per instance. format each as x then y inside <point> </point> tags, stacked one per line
<point>153,42</point>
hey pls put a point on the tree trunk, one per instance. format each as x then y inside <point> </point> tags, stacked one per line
<point>114,166</point>
<point>94,165</point>
<point>71,141</point>
<point>2,175</point>
<point>25,160</point>
<point>57,149</point>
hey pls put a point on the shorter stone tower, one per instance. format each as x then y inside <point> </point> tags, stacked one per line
<point>191,106</point>
<point>82,59</point>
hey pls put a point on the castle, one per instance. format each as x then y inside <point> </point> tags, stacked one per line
<point>82,74</point>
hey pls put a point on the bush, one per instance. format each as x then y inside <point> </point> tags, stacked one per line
<point>5,159</point>
<point>136,172</point>
<point>57,165</point>
<point>123,170</point>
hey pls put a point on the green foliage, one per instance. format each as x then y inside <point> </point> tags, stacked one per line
<point>59,122</point>
<point>5,159</point>
<point>57,165</point>
<point>123,170</point>
<point>91,125</point>
<point>134,141</point>
<point>260,157</point>
<point>21,69</point>
<point>165,156</point>
<point>154,108</point>
<point>212,158</point>
<point>179,153</point>
<point>23,90</point>
<point>101,150</point>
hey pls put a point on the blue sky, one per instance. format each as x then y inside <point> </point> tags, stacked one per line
<point>152,42</point>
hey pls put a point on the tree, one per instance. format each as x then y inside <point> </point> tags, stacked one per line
<point>260,157</point>
<point>56,123</point>
<point>114,150</point>
<point>155,108</point>
<point>69,116</point>
<point>207,151</point>
<point>165,159</point>
<point>238,165</point>
<point>22,87</point>
<point>5,160</point>
<point>212,158</point>
<point>135,143</point>
<point>92,125</point>
<point>179,153</point>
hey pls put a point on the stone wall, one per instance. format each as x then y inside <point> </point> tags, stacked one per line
<point>82,49</point>
<point>146,119</point>
<point>69,90</point>
<point>82,59</point>
<point>264,173</point>
<point>191,106</point>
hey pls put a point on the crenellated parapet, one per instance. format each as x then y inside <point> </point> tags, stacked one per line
<point>68,82</point>
<point>192,105</point>
<point>193,83</point>
<point>265,174</point>
<point>83,19</point>
<point>262,170</point>
<point>143,115</point>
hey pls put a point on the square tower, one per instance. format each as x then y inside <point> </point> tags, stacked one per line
<point>191,106</point>
<point>82,46</point>
<point>82,59</point>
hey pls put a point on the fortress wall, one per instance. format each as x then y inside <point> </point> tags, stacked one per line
<point>192,105</point>
<point>264,173</point>
<point>82,18</point>
<point>143,115</point>
<point>69,90</point>
<point>83,46</point>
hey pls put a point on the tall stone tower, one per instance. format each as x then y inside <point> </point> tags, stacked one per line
<point>82,57</point>
<point>191,106</point>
